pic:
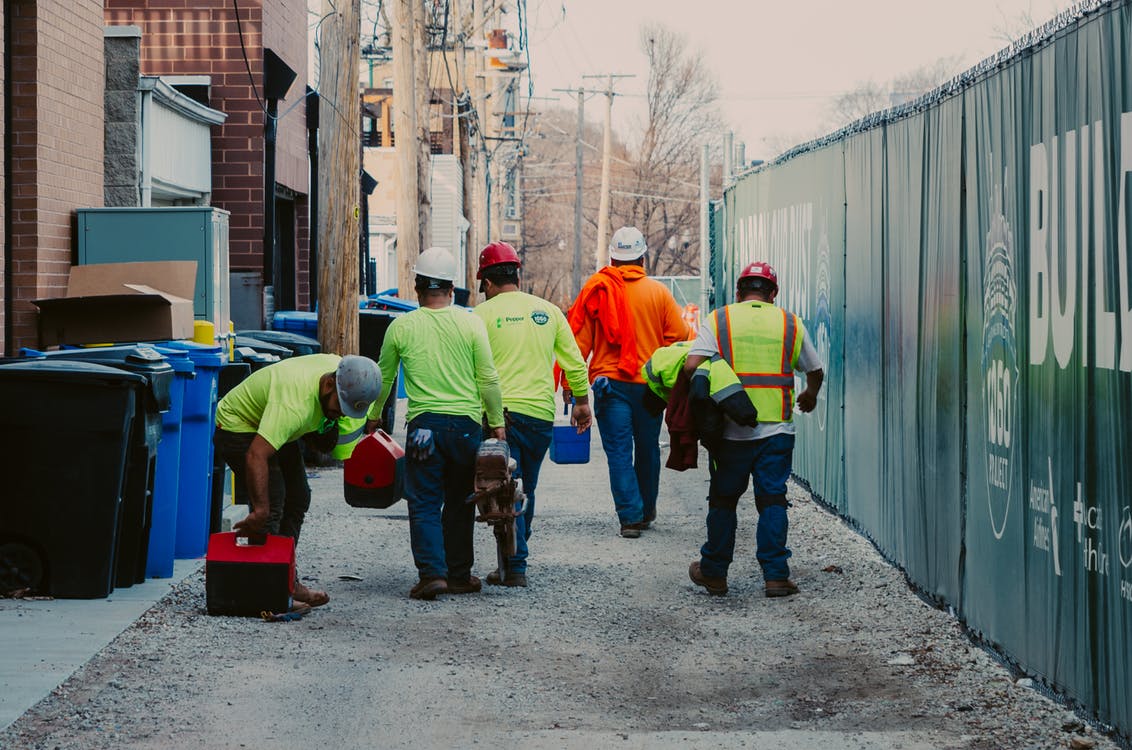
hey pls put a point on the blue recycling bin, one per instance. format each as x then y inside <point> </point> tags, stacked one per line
<point>197,425</point>
<point>167,476</point>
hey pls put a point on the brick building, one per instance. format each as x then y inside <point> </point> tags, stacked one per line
<point>203,38</point>
<point>53,146</point>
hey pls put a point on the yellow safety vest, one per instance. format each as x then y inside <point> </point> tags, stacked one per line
<point>761,343</point>
<point>350,431</point>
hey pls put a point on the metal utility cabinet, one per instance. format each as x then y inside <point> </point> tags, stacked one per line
<point>200,233</point>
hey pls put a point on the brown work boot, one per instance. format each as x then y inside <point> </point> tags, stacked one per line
<point>714,586</point>
<point>428,589</point>
<point>471,585</point>
<point>313,597</point>
<point>512,579</point>
<point>633,530</point>
<point>781,588</point>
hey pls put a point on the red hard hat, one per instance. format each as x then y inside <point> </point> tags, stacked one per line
<point>760,269</point>
<point>495,254</point>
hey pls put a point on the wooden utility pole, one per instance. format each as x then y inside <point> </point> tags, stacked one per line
<point>464,114</point>
<point>339,191</point>
<point>601,254</point>
<point>405,144</point>
<point>422,91</point>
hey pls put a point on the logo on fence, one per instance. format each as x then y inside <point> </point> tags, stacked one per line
<point>1000,365</point>
<point>1126,537</point>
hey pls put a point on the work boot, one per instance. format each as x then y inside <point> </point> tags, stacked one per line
<point>633,530</point>
<point>714,586</point>
<point>647,523</point>
<point>313,597</point>
<point>512,579</point>
<point>428,589</point>
<point>781,588</point>
<point>471,585</point>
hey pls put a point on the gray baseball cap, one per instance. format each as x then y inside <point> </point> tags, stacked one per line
<point>359,384</point>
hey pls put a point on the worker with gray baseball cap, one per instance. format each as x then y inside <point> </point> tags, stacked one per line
<point>258,427</point>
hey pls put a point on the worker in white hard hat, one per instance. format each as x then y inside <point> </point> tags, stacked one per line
<point>258,426</point>
<point>450,379</point>
<point>619,319</point>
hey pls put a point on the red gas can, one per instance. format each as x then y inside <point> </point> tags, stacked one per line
<point>374,474</point>
<point>250,576</point>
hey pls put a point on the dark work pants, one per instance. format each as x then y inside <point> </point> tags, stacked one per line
<point>287,488</point>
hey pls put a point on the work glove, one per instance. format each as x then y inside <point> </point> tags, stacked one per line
<point>420,444</point>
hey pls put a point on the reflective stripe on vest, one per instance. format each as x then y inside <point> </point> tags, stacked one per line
<point>758,383</point>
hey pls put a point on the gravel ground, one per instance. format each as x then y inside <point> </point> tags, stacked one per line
<point>610,646</point>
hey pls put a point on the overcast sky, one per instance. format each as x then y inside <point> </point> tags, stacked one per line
<point>778,62</point>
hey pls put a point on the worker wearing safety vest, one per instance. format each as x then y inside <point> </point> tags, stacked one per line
<point>449,374</point>
<point>527,335</point>
<point>619,319</point>
<point>259,423</point>
<point>764,345</point>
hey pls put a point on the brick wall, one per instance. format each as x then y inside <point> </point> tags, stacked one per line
<point>201,37</point>
<point>57,143</point>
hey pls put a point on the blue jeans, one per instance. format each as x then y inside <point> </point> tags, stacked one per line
<point>441,522</point>
<point>733,464</point>
<point>630,437</point>
<point>528,439</point>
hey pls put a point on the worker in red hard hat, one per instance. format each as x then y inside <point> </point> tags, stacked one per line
<point>450,381</point>
<point>527,335</point>
<point>764,345</point>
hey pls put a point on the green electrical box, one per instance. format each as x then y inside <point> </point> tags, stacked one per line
<point>200,233</point>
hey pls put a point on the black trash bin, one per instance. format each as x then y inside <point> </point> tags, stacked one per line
<point>244,341</point>
<point>137,492</point>
<point>64,437</point>
<point>372,325</point>
<point>255,360</point>
<point>298,344</point>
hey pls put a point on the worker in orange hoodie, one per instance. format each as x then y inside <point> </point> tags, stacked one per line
<point>619,319</point>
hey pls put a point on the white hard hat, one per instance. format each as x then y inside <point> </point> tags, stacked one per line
<point>627,244</point>
<point>436,263</point>
<point>359,384</point>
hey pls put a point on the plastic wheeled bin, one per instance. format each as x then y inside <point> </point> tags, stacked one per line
<point>167,482</point>
<point>298,344</point>
<point>296,321</point>
<point>60,508</point>
<point>244,341</point>
<point>137,493</point>
<point>372,325</point>
<point>194,501</point>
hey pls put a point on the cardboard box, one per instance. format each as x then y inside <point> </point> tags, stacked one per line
<point>121,302</point>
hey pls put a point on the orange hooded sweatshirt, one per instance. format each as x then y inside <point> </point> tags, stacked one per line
<point>621,317</point>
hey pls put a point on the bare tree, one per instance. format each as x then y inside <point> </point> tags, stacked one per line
<point>682,97</point>
<point>871,97</point>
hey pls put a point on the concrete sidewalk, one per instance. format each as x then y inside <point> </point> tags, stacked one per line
<point>42,643</point>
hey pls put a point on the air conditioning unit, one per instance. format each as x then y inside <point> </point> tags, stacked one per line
<point>511,212</point>
<point>509,230</point>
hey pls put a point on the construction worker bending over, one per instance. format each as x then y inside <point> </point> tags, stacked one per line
<point>259,423</point>
<point>527,334</point>
<point>449,372</point>
<point>620,318</point>
<point>764,345</point>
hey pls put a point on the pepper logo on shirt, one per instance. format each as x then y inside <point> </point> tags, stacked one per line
<point>540,317</point>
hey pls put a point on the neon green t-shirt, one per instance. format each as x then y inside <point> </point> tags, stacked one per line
<point>527,334</point>
<point>447,364</point>
<point>280,402</point>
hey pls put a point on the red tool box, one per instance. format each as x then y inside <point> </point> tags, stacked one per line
<point>247,577</point>
<point>374,474</point>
